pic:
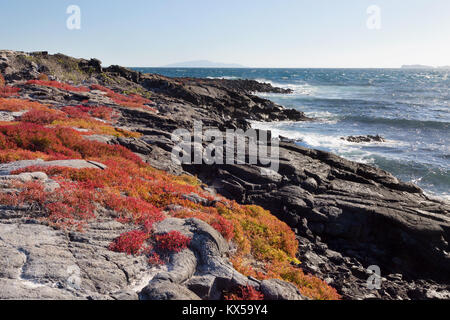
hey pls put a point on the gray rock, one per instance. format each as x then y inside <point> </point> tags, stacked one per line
<point>166,290</point>
<point>354,208</point>
<point>438,295</point>
<point>12,289</point>
<point>7,168</point>
<point>38,262</point>
<point>275,289</point>
<point>201,286</point>
<point>310,184</point>
<point>206,241</point>
<point>125,295</point>
<point>193,197</point>
<point>368,138</point>
<point>100,138</point>
<point>182,266</point>
<point>26,177</point>
<point>208,262</point>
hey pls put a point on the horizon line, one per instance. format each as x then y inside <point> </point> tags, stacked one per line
<point>401,67</point>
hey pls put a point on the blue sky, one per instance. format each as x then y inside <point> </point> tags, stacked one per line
<point>256,33</point>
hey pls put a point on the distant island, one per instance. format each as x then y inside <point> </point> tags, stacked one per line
<point>420,66</point>
<point>416,66</point>
<point>203,64</point>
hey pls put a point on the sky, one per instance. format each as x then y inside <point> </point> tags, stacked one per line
<point>254,33</point>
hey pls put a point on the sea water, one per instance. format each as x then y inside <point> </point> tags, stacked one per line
<point>409,108</point>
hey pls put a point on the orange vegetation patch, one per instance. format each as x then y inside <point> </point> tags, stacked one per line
<point>7,91</point>
<point>42,116</point>
<point>43,77</point>
<point>130,243</point>
<point>131,101</point>
<point>247,293</point>
<point>95,126</point>
<point>87,112</point>
<point>61,143</point>
<point>82,117</point>
<point>11,155</point>
<point>14,105</point>
<point>58,85</point>
<point>173,241</point>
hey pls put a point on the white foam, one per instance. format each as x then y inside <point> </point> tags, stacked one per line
<point>291,130</point>
<point>349,150</point>
<point>298,89</point>
<point>225,78</point>
<point>333,143</point>
<point>323,116</point>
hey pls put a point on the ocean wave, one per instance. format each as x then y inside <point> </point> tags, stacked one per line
<point>358,96</point>
<point>404,123</point>
<point>225,78</point>
<point>435,179</point>
<point>323,116</point>
<point>432,177</point>
<point>293,130</point>
<point>409,108</point>
<point>297,88</point>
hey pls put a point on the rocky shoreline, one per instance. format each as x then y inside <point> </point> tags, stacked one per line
<point>346,216</point>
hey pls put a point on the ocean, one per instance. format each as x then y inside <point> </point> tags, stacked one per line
<point>409,108</point>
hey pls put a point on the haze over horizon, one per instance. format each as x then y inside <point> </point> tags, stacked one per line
<point>218,65</point>
<point>260,34</point>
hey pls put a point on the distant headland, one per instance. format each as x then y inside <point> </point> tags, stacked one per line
<point>420,66</point>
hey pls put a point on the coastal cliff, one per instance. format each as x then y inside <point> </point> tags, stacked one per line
<point>142,226</point>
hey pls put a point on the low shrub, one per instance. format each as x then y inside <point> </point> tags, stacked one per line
<point>131,243</point>
<point>131,101</point>
<point>58,142</point>
<point>76,112</point>
<point>14,105</point>
<point>155,259</point>
<point>247,293</point>
<point>212,217</point>
<point>6,92</point>
<point>10,155</point>
<point>40,116</point>
<point>43,77</point>
<point>67,207</point>
<point>105,113</point>
<point>173,241</point>
<point>58,85</point>
<point>95,127</point>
